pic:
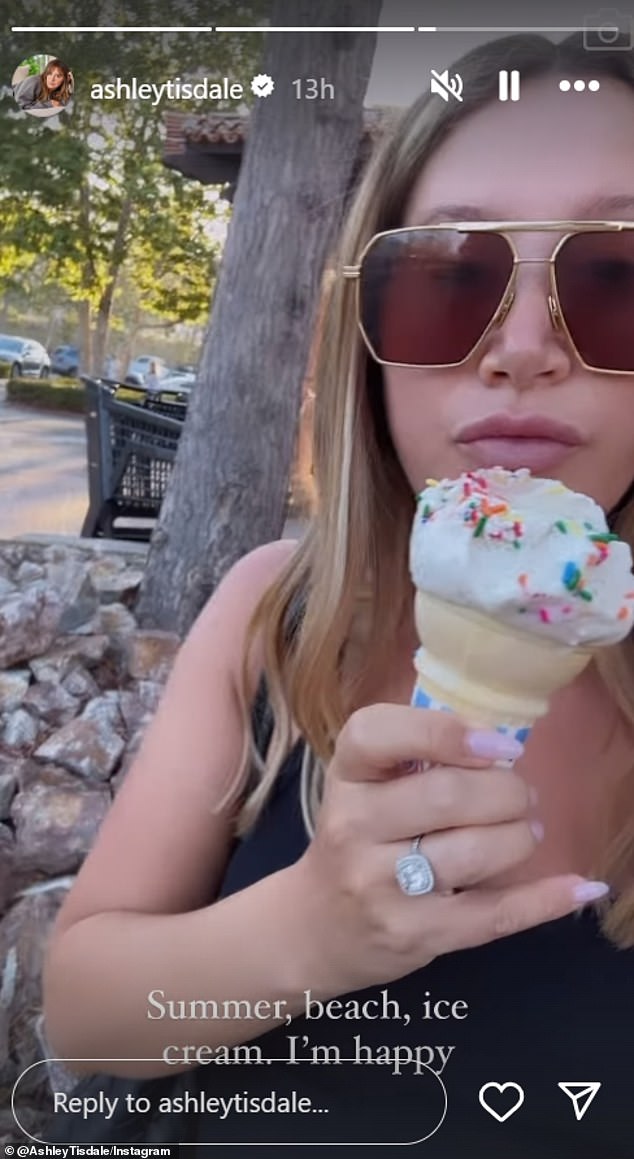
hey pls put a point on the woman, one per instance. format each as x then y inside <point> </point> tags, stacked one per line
<point>51,89</point>
<point>524,976</point>
<point>152,379</point>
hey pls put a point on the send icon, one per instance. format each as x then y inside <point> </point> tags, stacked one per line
<point>581,1094</point>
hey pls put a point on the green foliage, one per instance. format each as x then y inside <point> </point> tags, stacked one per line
<point>35,64</point>
<point>47,394</point>
<point>84,196</point>
<point>5,368</point>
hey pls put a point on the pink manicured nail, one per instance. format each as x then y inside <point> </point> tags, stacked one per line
<point>537,830</point>
<point>493,745</point>
<point>590,891</point>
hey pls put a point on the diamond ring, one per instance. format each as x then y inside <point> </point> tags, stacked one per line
<point>414,872</point>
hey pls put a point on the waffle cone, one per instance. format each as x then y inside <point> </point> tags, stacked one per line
<point>487,672</point>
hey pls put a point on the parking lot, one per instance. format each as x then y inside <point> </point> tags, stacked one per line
<point>43,473</point>
<point>43,479</point>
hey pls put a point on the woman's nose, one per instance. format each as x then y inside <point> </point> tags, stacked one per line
<point>527,345</point>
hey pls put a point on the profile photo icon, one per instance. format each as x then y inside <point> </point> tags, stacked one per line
<point>43,85</point>
<point>608,29</point>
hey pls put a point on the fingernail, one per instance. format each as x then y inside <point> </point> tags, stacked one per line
<point>590,891</point>
<point>493,745</point>
<point>537,829</point>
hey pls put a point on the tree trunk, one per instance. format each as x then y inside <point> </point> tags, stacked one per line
<point>102,323</point>
<point>85,330</point>
<point>133,325</point>
<point>229,487</point>
<point>104,308</point>
<point>88,278</point>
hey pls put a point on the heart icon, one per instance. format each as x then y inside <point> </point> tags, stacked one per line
<point>501,1088</point>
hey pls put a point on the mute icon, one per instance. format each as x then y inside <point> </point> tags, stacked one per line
<point>581,1094</point>
<point>508,85</point>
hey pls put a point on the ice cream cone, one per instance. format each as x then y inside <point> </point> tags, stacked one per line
<point>487,672</point>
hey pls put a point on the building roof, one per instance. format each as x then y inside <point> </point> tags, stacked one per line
<point>208,146</point>
<point>232,128</point>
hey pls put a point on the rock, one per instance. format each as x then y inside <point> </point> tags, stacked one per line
<point>82,611</point>
<point>115,586</point>
<point>8,986</point>
<point>23,935</point>
<point>150,693</point>
<point>63,882</point>
<point>59,1077</point>
<point>80,683</point>
<point>103,572</point>
<point>115,620</point>
<point>138,708</point>
<point>13,688</point>
<point>31,1119</point>
<point>106,711</point>
<point>12,554</point>
<point>151,654</point>
<point>51,702</point>
<point>28,623</point>
<point>127,761</point>
<point>28,572</point>
<point>5,587</point>
<point>7,865</point>
<point>84,747</point>
<point>69,652</point>
<point>20,731</point>
<point>30,771</point>
<point>68,574</point>
<point>56,826</point>
<point>8,789</point>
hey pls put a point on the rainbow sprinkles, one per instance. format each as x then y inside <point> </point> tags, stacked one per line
<point>525,549</point>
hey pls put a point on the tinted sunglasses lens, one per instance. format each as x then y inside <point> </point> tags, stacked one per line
<point>594,274</point>
<point>427,296</point>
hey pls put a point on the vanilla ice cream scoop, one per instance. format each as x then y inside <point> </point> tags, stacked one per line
<point>527,552</point>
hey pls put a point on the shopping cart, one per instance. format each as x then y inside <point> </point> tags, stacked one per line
<point>132,440</point>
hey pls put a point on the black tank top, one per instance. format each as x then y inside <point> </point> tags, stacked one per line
<point>551,1005</point>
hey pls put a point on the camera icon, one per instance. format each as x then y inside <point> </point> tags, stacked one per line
<point>608,29</point>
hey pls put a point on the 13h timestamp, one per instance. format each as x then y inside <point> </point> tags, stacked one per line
<point>314,88</point>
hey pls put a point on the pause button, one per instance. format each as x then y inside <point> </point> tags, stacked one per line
<point>509,85</point>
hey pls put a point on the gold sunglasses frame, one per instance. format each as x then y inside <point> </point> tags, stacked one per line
<point>505,230</point>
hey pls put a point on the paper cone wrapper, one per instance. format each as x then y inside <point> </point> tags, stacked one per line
<point>490,674</point>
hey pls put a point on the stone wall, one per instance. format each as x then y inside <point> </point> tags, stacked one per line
<point>79,682</point>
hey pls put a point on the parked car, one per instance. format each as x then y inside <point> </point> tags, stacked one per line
<point>183,368</point>
<point>24,356</point>
<point>65,360</point>
<point>177,382</point>
<point>141,365</point>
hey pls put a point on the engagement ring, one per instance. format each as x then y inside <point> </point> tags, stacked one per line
<point>414,872</point>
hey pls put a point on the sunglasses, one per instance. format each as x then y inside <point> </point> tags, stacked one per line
<point>428,296</point>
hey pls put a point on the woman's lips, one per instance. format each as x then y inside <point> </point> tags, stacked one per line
<point>513,453</point>
<point>512,441</point>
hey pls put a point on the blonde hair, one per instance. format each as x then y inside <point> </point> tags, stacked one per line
<point>348,582</point>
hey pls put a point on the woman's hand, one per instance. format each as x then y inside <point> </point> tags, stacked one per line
<point>476,823</point>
